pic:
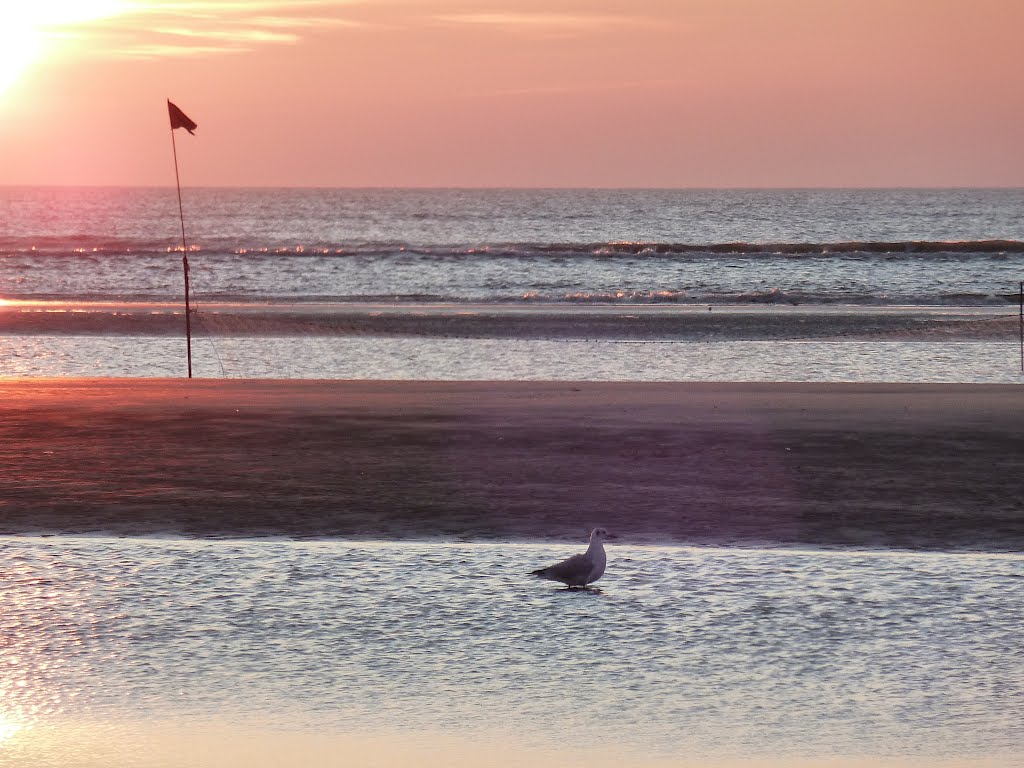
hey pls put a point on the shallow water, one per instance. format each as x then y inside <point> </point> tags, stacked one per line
<point>707,654</point>
<point>386,358</point>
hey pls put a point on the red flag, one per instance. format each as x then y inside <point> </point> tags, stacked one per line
<point>179,119</point>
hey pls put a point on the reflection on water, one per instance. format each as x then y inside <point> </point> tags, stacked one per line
<point>9,726</point>
<point>315,357</point>
<point>154,652</point>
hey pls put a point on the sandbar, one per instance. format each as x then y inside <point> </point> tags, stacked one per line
<point>918,466</point>
<point>525,320</point>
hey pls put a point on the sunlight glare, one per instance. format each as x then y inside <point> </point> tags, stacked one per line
<point>8,728</point>
<point>25,26</point>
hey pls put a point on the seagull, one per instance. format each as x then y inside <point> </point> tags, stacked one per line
<point>579,570</point>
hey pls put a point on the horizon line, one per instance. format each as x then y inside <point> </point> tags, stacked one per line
<point>540,188</point>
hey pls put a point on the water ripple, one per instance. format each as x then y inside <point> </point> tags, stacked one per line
<point>708,651</point>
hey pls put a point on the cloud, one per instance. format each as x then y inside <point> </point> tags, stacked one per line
<point>562,23</point>
<point>215,7</point>
<point>148,29</point>
<point>527,19</point>
<point>232,35</point>
<point>297,22</point>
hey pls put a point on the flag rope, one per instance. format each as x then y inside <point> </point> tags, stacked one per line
<point>184,258</point>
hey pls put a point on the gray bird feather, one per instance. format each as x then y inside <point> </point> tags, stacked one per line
<point>581,569</point>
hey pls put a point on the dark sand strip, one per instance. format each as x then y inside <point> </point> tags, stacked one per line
<point>649,322</point>
<point>920,466</point>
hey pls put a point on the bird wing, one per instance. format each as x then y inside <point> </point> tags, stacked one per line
<point>575,570</point>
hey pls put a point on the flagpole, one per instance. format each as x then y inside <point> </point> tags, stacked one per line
<point>184,256</point>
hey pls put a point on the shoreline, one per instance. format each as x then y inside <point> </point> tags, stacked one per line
<point>930,466</point>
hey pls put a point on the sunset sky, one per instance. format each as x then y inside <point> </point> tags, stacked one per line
<point>666,93</point>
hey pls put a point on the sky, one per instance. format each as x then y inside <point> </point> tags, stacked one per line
<point>522,93</point>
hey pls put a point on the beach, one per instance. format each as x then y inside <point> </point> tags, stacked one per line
<point>922,466</point>
<point>741,284</point>
<point>798,411</point>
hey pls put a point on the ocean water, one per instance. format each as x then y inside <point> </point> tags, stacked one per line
<point>576,246</point>
<point>402,358</point>
<point>88,258</point>
<point>685,656</point>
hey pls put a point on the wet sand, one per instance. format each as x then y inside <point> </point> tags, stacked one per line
<point>919,466</point>
<point>677,322</point>
<point>212,743</point>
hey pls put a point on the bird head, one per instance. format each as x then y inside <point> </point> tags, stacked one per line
<point>600,534</point>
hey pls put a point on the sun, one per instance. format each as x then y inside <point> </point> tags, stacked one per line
<point>26,27</point>
<point>18,49</point>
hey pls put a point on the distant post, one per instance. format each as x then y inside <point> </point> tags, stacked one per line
<point>180,120</point>
<point>1020,305</point>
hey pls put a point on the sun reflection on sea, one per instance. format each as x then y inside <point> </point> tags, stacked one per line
<point>9,727</point>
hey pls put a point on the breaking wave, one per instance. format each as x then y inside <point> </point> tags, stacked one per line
<point>84,245</point>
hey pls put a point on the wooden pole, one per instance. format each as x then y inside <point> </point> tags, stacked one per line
<point>184,257</point>
<point>1020,304</point>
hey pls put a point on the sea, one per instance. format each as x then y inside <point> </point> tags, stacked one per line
<point>241,652</point>
<point>764,285</point>
<point>162,652</point>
